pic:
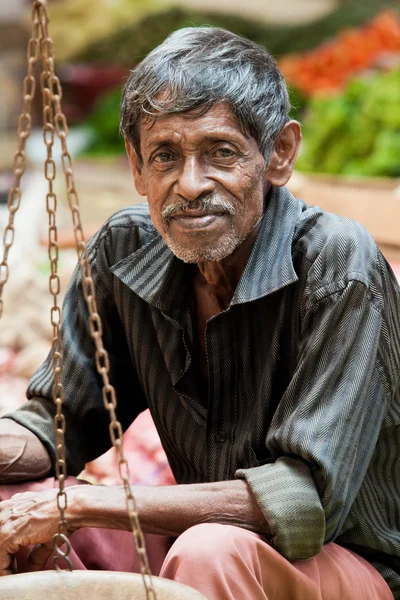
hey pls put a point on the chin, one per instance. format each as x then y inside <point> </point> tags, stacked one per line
<point>198,251</point>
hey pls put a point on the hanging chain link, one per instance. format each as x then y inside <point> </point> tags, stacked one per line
<point>54,118</point>
<point>61,543</point>
<point>19,163</point>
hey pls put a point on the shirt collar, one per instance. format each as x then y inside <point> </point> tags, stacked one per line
<point>270,265</point>
<point>159,278</point>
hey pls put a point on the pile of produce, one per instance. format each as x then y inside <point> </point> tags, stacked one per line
<point>129,44</point>
<point>356,132</point>
<point>148,464</point>
<point>332,64</point>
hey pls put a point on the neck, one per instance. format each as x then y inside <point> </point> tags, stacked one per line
<point>223,276</point>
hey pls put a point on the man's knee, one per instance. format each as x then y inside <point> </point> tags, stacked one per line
<point>209,543</point>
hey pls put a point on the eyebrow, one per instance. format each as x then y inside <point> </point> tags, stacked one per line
<point>214,137</point>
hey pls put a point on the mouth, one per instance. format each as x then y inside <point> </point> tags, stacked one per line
<point>195,219</point>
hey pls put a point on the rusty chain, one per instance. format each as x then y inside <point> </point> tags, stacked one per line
<point>61,543</point>
<point>19,162</point>
<point>52,91</point>
<point>54,121</point>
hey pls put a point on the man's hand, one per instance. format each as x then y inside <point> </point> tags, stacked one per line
<point>30,518</point>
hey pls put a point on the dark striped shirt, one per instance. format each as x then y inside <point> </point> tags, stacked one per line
<point>303,368</point>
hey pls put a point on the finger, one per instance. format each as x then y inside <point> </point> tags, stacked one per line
<point>7,558</point>
<point>4,572</point>
<point>39,556</point>
<point>14,565</point>
<point>12,569</point>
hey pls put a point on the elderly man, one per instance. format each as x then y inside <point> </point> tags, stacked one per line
<point>263,335</point>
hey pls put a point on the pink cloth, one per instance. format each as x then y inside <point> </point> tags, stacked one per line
<point>229,563</point>
<point>148,464</point>
<point>224,562</point>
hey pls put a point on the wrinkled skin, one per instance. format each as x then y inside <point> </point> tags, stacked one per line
<point>28,518</point>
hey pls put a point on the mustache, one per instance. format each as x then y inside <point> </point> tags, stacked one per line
<point>206,204</point>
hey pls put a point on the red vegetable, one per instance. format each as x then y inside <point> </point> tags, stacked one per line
<point>329,67</point>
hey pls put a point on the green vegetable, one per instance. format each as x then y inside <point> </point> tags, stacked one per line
<point>104,126</point>
<point>356,132</point>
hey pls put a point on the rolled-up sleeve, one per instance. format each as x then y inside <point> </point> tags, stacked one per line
<point>324,431</point>
<point>87,420</point>
<point>286,493</point>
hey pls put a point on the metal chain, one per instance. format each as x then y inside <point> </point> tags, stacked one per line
<point>52,89</point>
<point>19,163</point>
<point>61,543</point>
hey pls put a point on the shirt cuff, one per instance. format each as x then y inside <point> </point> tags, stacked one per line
<point>37,415</point>
<point>287,495</point>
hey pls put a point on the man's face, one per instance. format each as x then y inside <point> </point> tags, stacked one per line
<point>205,182</point>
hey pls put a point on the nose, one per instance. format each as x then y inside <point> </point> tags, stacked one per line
<point>192,180</point>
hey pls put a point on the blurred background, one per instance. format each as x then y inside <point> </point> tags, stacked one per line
<point>341,59</point>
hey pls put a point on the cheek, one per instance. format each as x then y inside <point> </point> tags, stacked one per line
<point>158,193</point>
<point>252,202</point>
<point>156,197</point>
<point>155,214</point>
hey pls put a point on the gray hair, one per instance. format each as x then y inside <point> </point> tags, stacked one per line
<point>197,67</point>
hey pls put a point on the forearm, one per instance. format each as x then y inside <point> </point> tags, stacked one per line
<point>168,510</point>
<point>22,454</point>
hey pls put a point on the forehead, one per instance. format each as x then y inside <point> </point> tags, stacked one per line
<point>194,126</point>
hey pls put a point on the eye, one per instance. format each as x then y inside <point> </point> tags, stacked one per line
<point>163,157</point>
<point>223,153</point>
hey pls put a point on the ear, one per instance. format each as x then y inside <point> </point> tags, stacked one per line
<point>136,169</point>
<point>284,154</point>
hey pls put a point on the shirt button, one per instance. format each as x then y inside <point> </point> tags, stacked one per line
<point>220,437</point>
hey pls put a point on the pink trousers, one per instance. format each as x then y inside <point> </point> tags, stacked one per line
<point>224,562</point>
